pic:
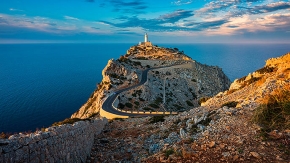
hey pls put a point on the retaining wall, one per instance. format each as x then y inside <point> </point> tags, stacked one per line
<point>64,144</point>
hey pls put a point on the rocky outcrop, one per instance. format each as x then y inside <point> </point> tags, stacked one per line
<point>185,82</point>
<point>251,89</point>
<point>66,143</point>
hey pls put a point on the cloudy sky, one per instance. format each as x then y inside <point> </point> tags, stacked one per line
<point>166,21</point>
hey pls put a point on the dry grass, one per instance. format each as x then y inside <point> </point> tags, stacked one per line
<point>274,112</point>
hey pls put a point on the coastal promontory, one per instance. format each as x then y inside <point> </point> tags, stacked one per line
<point>174,83</point>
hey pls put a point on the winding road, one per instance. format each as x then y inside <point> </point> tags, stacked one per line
<point>108,103</point>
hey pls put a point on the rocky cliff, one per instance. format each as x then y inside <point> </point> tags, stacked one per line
<point>247,123</point>
<point>174,88</point>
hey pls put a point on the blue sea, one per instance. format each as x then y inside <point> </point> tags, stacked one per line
<point>44,83</point>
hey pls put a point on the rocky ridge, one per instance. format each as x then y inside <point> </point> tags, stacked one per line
<point>219,131</point>
<point>185,82</point>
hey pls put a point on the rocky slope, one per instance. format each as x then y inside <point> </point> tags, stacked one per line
<point>222,130</point>
<point>181,84</point>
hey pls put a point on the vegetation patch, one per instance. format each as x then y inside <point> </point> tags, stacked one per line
<point>129,105</point>
<point>154,106</point>
<point>230,104</point>
<point>266,69</point>
<point>136,103</point>
<point>156,119</point>
<point>168,152</point>
<point>189,103</point>
<point>121,106</point>
<point>274,113</point>
<point>158,100</point>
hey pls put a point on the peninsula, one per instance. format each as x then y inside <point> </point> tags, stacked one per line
<point>152,80</point>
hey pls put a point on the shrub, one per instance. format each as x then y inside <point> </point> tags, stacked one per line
<point>203,99</point>
<point>194,80</point>
<point>156,119</point>
<point>137,103</point>
<point>121,106</point>
<point>129,105</point>
<point>158,100</point>
<point>266,69</point>
<point>154,106</point>
<point>168,152</point>
<point>189,103</point>
<point>230,104</point>
<point>274,112</point>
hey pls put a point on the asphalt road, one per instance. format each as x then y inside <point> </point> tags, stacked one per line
<point>107,105</point>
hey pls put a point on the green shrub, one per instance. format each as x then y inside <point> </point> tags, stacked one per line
<point>154,106</point>
<point>129,105</point>
<point>156,119</point>
<point>194,80</point>
<point>121,106</point>
<point>230,104</point>
<point>136,103</point>
<point>168,152</point>
<point>158,100</point>
<point>189,103</point>
<point>274,113</point>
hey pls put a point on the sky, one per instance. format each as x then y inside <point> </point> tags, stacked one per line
<point>126,21</point>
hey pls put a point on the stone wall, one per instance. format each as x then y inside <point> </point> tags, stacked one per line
<point>66,143</point>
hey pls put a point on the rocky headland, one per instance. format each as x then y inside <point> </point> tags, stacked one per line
<point>177,87</point>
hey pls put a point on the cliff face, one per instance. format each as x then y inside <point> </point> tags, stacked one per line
<point>115,75</point>
<point>180,85</point>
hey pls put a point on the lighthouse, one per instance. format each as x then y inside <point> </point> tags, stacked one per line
<point>146,38</point>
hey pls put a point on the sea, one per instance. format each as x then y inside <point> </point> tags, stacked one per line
<point>44,83</point>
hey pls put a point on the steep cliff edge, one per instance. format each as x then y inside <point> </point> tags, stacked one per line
<point>180,85</point>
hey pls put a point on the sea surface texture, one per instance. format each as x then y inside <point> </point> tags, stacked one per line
<point>44,83</point>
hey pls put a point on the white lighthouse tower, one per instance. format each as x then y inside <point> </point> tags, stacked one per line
<point>146,38</point>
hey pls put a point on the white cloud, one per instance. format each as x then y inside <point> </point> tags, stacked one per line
<point>181,2</point>
<point>70,18</point>
<point>14,9</point>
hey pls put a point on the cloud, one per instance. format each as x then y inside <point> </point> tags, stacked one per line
<point>181,2</point>
<point>261,9</point>
<point>163,22</point>
<point>70,18</point>
<point>133,7</point>
<point>14,9</point>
